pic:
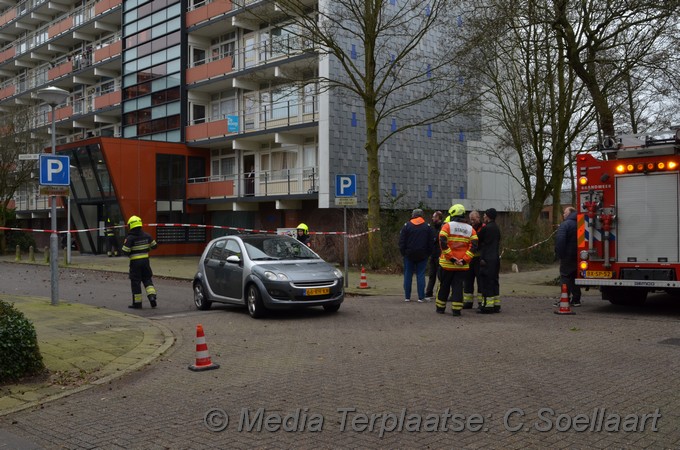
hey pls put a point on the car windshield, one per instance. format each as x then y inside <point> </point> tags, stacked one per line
<point>277,248</point>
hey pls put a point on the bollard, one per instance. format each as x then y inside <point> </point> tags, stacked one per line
<point>47,255</point>
<point>17,256</point>
<point>31,254</point>
<point>66,258</point>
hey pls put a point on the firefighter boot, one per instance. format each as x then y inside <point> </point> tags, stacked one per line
<point>136,301</point>
<point>152,300</point>
<point>468,300</point>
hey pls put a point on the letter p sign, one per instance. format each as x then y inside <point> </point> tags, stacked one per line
<point>346,185</point>
<point>54,170</point>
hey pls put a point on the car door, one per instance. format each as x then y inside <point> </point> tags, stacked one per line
<point>212,266</point>
<point>232,273</point>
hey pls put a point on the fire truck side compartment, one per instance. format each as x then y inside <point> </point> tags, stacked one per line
<point>647,220</point>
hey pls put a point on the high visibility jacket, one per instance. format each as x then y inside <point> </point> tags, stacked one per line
<point>109,231</point>
<point>457,240</point>
<point>137,244</point>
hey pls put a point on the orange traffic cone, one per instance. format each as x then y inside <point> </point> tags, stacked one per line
<point>363,284</point>
<point>203,361</point>
<point>564,302</point>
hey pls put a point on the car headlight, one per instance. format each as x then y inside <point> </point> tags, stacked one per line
<point>337,273</point>
<point>272,276</point>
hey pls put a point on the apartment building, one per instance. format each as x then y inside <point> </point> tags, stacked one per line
<point>203,112</point>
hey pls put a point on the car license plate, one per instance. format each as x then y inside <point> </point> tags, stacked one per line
<point>317,291</point>
<point>599,273</point>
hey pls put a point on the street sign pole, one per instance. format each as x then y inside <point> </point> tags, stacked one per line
<point>344,238</point>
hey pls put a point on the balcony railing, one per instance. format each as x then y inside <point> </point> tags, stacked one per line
<point>255,118</point>
<point>303,180</point>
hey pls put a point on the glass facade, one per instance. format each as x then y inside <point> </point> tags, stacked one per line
<point>152,64</point>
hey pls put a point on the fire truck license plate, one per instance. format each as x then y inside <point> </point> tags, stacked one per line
<point>318,291</point>
<point>598,274</point>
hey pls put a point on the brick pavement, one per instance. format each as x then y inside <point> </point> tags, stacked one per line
<point>380,355</point>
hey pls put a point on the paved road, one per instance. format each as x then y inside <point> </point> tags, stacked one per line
<point>357,372</point>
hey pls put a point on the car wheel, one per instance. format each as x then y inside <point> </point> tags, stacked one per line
<point>200,297</point>
<point>256,308</point>
<point>331,308</point>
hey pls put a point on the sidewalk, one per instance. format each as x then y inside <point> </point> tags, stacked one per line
<point>535,283</point>
<point>90,346</point>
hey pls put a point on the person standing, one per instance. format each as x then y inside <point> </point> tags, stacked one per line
<point>136,246</point>
<point>566,248</point>
<point>490,263</point>
<point>433,264</point>
<point>473,274</point>
<point>458,241</point>
<point>111,239</point>
<point>415,245</point>
<point>303,234</point>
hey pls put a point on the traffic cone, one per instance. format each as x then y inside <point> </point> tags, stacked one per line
<point>363,284</point>
<point>203,361</point>
<point>564,308</point>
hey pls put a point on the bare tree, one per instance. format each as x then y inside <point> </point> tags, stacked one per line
<point>606,41</point>
<point>401,63</point>
<point>537,107</point>
<point>15,140</point>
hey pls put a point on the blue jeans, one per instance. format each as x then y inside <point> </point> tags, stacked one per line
<point>419,268</point>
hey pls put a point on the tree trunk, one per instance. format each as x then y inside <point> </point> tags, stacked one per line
<point>375,249</point>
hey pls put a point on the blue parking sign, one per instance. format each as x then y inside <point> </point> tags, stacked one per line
<point>54,170</point>
<point>346,185</point>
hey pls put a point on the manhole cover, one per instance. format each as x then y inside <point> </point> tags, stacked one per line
<point>671,341</point>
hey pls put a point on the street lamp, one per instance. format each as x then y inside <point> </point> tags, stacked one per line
<point>53,96</point>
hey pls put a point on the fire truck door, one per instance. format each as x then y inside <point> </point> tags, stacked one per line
<point>647,218</point>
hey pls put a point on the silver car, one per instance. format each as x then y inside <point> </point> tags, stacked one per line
<point>265,272</point>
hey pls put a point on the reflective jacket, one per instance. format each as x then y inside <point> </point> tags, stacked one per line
<point>457,240</point>
<point>137,244</point>
<point>109,228</point>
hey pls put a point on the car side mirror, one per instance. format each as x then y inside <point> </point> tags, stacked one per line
<point>233,259</point>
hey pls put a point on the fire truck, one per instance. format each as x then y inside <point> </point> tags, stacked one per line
<point>628,217</point>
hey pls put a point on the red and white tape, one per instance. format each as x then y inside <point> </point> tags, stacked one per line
<point>187,225</point>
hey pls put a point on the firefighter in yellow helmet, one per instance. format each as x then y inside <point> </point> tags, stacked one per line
<point>136,246</point>
<point>111,239</point>
<point>303,234</point>
<point>458,241</point>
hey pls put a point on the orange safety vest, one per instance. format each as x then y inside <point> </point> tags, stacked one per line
<point>457,240</point>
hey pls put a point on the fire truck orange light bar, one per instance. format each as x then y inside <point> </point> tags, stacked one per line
<point>583,181</point>
<point>650,166</point>
<point>672,165</point>
<point>620,168</point>
<point>661,166</point>
<point>630,167</point>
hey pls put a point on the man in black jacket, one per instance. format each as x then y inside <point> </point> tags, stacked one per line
<point>415,244</point>
<point>433,273</point>
<point>566,248</point>
<point>490,263</point>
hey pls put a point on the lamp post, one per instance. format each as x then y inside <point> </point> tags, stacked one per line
<point>53,96</point>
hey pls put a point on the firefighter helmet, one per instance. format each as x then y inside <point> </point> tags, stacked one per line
<point>134,222</point>
<point>457,210</point>
<point>304,228</point>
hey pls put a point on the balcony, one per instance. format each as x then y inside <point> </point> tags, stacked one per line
<point>261,118</point>
<point>265,183</point>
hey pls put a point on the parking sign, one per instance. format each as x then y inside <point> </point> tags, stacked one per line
<point>54,170</point>
<point>346,185</point>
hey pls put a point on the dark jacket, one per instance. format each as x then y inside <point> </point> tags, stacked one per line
<point>436,251</point>
<point>416,239</point>
<point>565,243</point>
<point>137,244</point>
<point>489,242</point>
